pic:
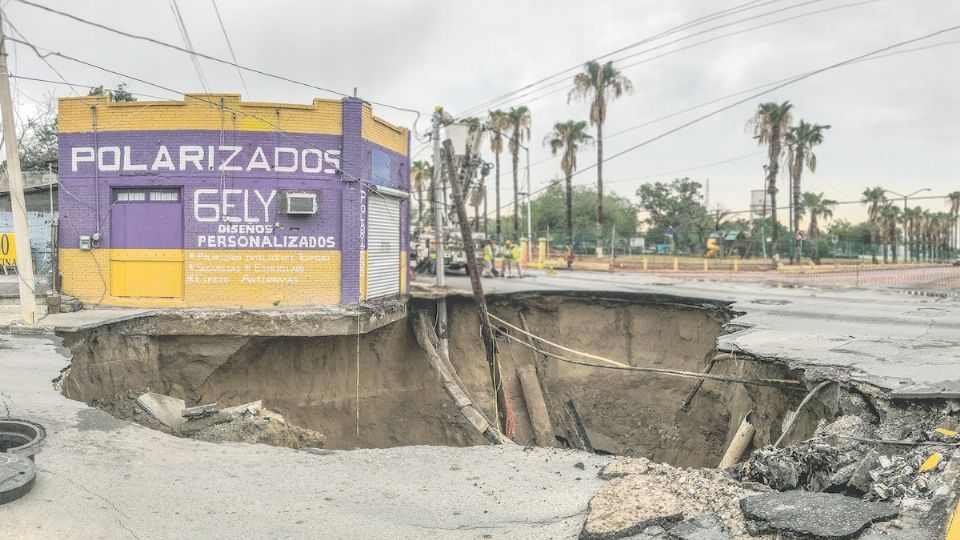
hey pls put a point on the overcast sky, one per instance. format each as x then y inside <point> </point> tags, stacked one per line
<point>895,119</point>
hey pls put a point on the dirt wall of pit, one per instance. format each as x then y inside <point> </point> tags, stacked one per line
<point>322,382</point>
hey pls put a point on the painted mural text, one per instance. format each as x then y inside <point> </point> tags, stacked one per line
<point>221,158</point>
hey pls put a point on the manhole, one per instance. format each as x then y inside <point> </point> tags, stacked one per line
<point>770,302</point>
<point>17,475</point>
<point>21,437</point>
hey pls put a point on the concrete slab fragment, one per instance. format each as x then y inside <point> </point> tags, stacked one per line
<point>165,409</point>
<point>809,514</point>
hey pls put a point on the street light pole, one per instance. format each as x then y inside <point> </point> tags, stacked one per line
<point>906,238</point>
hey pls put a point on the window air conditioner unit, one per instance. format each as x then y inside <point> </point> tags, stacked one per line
<point>298,203</point>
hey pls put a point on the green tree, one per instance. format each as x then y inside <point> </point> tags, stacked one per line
<point>911,225</point>
<point>518,124</point>
<point>120,93</point>
<point>421,174</point>
<point>800,141</point>
<point>568,138</point>
<point>953,199</point>
<point>769,125</point>
<point>549,212</point>
<point>819,208</point>
<point>874,198</point>
<point>38,146</point>
<point>599,84</point>
<point>676,206</point>
<point>497,120</point>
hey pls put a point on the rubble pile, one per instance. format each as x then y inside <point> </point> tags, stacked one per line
<point>846,457</point>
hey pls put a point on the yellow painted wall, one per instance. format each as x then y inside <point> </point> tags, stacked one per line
<point>248,278</point>
<point>200,112</point>
<point>382,132</point>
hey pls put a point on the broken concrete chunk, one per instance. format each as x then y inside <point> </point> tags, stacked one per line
<point>886,462</point>
<point>839,480</point>
<point>195,426</point>
<point>165,409</point>
<point>783,474</point>
<point>861,478</point>
<point>200,411</point>
<point>706,526</point>
<point>247,408</point>
<point>808,514</point>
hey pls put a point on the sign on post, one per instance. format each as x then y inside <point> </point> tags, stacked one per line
<point>801,235</point>
<point>8,249</point>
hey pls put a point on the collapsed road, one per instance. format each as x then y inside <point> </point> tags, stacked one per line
<point>639,415</point>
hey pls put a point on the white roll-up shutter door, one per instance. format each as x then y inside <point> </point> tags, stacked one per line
<point>383,246</point>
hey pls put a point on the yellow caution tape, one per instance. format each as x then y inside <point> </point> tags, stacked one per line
<point>946,432</point>
<point>931,462</point>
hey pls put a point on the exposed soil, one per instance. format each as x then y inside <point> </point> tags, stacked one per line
<point>378,390</point>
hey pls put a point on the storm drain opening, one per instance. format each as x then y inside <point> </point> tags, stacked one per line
<point>380,390</point>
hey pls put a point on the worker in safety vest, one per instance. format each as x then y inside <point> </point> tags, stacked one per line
<point>487,258</point>
<point>517,258</point>
<point>507,252</point>
<point>568,255</point>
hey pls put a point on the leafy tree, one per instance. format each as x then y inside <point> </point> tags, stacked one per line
<point>769,125</point>
<point>818,207</point>
<point>889,218</point>
<point>874,198</point>
<point>549,211</point>
<point>517,121</point>
<point>800,141</point>
<point>120,93</point>
<point>953,199</point>
<point>38,147</point>
<point>676,206</point>
<point>567,138</point>
<point>849,232</point>
<point>599,84</point>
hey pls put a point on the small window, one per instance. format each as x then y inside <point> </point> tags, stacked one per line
<point>166,195</point>
<point>129,195</point>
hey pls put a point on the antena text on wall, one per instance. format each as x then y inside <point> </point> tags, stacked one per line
<point>215,158</point>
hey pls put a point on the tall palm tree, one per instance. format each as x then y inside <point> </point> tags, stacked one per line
<point>923,234</point>
<point>874,198</point>
<point>422,175</point>
<point>819,208</point>
<point>518,126</point>
<point>911,222</point>
<point>568,137</point>
<point>889,219</point>
<point>497,121</point>
<point>800,141</point>
<point>599,84</point>
<point>954,202</point>
<point>769,125</point>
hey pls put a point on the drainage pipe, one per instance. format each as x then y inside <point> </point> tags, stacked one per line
<point>796,414</point>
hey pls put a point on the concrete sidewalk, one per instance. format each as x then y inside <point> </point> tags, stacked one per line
<point>100,477</point>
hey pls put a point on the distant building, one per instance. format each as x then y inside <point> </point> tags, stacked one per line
<point>213,201</point>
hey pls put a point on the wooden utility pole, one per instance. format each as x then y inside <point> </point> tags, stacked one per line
<point>28,299</point>
<point>486,330</point>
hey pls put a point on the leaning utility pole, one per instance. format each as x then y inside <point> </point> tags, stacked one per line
<point>28,299</point>
<point>455,177</point>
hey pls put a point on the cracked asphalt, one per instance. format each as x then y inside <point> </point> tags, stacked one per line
<point>100,477</point>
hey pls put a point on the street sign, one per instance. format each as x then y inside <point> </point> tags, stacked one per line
<point>8,249</point>
<point>801,235</point>
<point>638,242</point>
<point>834,239</point>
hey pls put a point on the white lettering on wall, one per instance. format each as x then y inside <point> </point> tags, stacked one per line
<point>232,205</point>
<point>82,154</point>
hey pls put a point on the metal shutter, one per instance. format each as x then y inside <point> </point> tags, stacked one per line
<point>383,246</point>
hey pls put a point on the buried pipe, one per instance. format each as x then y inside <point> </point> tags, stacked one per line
<point>796,414</point>
<point>741,440</point>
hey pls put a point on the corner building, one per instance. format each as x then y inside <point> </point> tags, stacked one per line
<point>216,202</point>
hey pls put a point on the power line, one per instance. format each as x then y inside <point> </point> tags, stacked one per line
<point>689,24</point>
<point>233,55</point>
<point>182,26</point>
<point>204,55</point>
<point>35,51</point>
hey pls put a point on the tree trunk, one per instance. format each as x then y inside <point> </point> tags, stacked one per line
<point>497,161</point>
<point>419,209</point>
<point>894,247</point>
<point>873,242</point>
<point>772,170</point>
<point>599,189</point>
<point>569,201</point>
<point>798,170</point>
<point>814,239</point>
<point>516,193</point>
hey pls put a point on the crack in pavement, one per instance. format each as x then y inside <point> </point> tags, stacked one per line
<point>97,495</point>
<point>503,524</point>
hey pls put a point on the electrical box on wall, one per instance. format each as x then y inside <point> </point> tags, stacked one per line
<point>298,203</point>
<point>85,243</point>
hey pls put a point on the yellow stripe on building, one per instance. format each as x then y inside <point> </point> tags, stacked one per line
<point>382,132</point>
<point>200,112</point>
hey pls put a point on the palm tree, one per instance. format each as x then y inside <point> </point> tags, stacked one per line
<point>923,233</point>
<point>911,221</point>
<point>954,201</point>
<point>770,124</point>
<point>800,141</point>
<point>599,84</point>
<point>889,219</point>
<point>422,175</point>
<point>819,207</point>
<point>874,198</point>
<point>517,122</point>
<point>568,137</point>
<point>497,122</point>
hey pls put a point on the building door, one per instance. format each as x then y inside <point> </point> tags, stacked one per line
<point>146,243</point>
<point>383,246</point>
